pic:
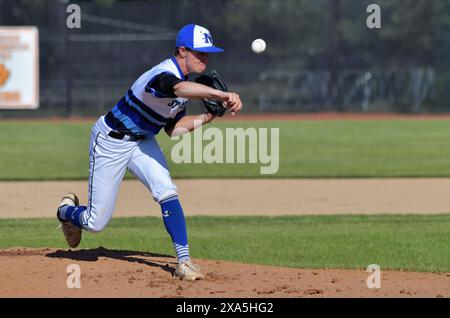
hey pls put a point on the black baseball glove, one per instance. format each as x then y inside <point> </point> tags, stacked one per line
<point>213,106</point>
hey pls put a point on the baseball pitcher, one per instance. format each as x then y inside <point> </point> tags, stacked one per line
<point>124,138</point>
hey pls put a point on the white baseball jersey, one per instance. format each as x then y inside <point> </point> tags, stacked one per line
<point>144,110</point>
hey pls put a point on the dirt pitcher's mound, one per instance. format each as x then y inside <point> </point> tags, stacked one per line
<point>116,273</point>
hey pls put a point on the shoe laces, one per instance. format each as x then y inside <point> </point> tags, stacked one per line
<point>60,226</point>
<point>194,267</point>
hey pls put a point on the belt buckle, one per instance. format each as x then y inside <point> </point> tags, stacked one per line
<point>116,135</point>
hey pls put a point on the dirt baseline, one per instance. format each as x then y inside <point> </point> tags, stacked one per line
<point>245,197</point>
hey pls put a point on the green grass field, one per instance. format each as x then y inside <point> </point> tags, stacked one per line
<point>406,148</point>
<point>409,242</point>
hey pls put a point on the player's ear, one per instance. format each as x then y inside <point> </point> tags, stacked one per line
<point>182,51</point>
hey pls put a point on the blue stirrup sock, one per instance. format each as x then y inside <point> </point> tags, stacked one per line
<point>175,224</point>
<point>71,214</point>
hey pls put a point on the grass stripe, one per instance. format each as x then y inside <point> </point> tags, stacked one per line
<point>308,149</point>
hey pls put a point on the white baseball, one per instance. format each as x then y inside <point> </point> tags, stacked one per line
<point>258,46</point>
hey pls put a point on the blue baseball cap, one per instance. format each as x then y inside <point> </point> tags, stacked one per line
<point>196,38</point>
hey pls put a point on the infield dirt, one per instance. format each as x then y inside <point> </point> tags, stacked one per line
<point>113,273</point>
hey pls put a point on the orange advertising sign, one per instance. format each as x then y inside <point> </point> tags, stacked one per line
<point>19,68</point>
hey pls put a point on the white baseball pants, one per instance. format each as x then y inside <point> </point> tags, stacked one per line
<point>108,160</point>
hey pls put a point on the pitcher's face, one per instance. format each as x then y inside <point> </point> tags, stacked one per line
<point>196,61</point>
